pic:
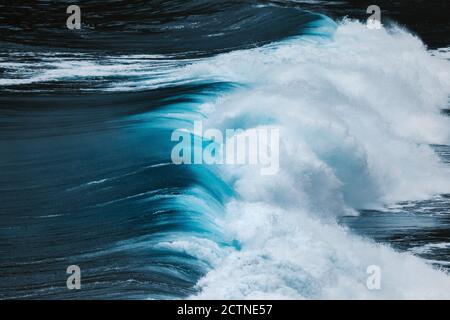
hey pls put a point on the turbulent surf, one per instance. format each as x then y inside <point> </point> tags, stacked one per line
<point>87,178</point>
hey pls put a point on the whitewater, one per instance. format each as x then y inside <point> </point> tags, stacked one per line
<point>358,110</point>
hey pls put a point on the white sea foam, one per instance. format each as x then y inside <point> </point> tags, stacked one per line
<point>143,71</point>
<point>357,115</point>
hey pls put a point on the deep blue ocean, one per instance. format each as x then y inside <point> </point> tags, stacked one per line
<point>86,176</point>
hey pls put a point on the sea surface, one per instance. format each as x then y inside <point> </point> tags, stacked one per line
<point>86,176</point>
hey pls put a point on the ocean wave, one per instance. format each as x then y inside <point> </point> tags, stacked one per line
<point>349,112</point>
<point>188,28</point>
<point>357,109</point>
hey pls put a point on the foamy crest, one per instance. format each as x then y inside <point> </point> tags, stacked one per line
<point>357,115</point>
